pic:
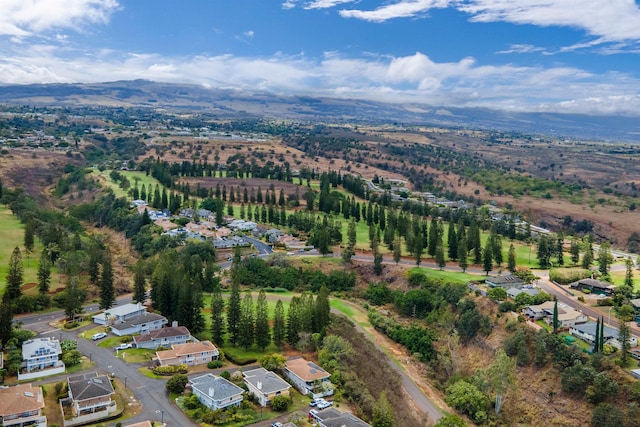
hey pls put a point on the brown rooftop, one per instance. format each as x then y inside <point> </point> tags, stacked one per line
<point>306,370</point>
<point>19,399</point>
<point>178,350</point>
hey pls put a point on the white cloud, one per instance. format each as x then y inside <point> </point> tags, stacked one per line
<point>522,48</point>
<point>249,34</point>
<point>414,78</point>
<point>401,9</point>
<point>289,4</point>
<point>28,17</point>
<point>325,4</point>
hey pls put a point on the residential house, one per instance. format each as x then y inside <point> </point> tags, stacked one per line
<point>636,304</point>
<point>40,357</point>
<point>308,377</point>
<point>507,281</point>
<point>119,314</point>
<point>265,385</point>
<point>191,353</point>
<point>514,292</point>
<point>22,405</point>
<point>567,316</point>
<point>216,392</point>
<point>594,286</point>
<point>587,332</point>
<point>332,417</point>
<point>163,337</point>
<point>91,393</point>
<point>139,324</point>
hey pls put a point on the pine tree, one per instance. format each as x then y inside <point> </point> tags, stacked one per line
<point>246,327</point>
<point>233,313</point>
<point>29,232</point>
<point>434,235</point>
<point>6,320</point>
<point>462,254</point>
<point>604,259</point>
<point>322,310</point>
<point>15,275</point>
<point>279,326</point>
<point>556,324</point>
<point>44,273</point>
<point>382,412</point>
<point>139,283</point>
<point>596,344</point>
<point>440,257</point>
<point>217,321</point>
<point>487,259</point>
<point>107,291</point>
<point>575,251</point>
<point>263,334</point>
<point>511,258</point>
<point>94,265</point>
<point>473,242</point>
<point>452,241</point>
<point>397,249</point>
<point>294,321</point>
<point>628,277</point>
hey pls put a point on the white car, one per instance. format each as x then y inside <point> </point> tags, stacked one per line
<point>123,346</point>
<point>98,336</point>
<point>276,424</point>
<point>324,404</point>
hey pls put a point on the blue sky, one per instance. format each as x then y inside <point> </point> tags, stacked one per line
<point>574,56</point>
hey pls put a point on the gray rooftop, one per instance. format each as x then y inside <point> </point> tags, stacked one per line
<point>138,320</point>
<point>90,386</point>
<point>217,388</point>
<point>40,347</point>
<point>265,381</point>
<point>590,328</point>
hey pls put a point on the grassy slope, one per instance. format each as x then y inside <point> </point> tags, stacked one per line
<point>12,235</point>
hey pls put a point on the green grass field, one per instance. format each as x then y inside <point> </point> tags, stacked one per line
<point>133,177</point>
<point>12,235</point>
<point>449,276</point>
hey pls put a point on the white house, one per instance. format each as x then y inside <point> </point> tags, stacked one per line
<point>163,337</point>
<point>191,353</point>
<point>140,324</point>
<point>216,392</point>
<point>119,313</point>
<point>587,332</point>
<point>308,377</point>
<point>41,357</point>
<point>91,393</point>
<point>567,316</point>
<point>265,385</point>
<point>332,417</point>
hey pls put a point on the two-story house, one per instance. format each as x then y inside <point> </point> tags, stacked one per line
<point>191,353</point>
<point>140,324</point>
<point>265,385</point>
<point>216,392</point>
<point>22,405</point>
<point>40,357</point>
<point>164,337</point>
<point>308,377</point>
<point>91,393</point>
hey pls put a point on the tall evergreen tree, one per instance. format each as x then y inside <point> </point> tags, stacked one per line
<point>29,232</point>
<point>628,277</point>
<point>624,334</point>
<point>93,267</point>
<point>511,258</point>
<point>44,273</point>
<point>246,326</point>
<point>294,321</point>
<point>604,259</point>
<point>139,283</point>
<point>217,315</point>
<point>575,251</point>
<point>556,324</point>
<point>263,334</point>
<point>473,242</point>
<point>596,344</point>
<point>233,313</point>
<point>322,310</point>
<point>74,298</point>
<point>452,241</point>
<point>439,258</point>
<point>279,325</point>
<point>6,319</point>
<point>434,235</point>
<point>15,275</point>
<point>397,248</point>
<point>462,254</point>
<point>107,291</point>
<point>487,259</point>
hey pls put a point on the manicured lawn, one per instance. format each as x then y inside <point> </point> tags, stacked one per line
<point>12,235</point>
<point>341,306</point>
<point>449,276</point>
<point>133,177</point>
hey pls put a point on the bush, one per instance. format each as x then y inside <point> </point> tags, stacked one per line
<point>177,383</point>
<point>170,370</point>
<point>225,374</point>
<point>71,357</point>
<point>71,325</point>
<point>280,403</point>
<point>240,361</point>
<point>215,364</point>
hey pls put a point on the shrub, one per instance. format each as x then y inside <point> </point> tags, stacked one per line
<point>170,370</point>
<point>177,383</point>
<point>72,357</point>
<point>280,403</point>
<point>71,325</point>
<point>215,364</point>
<point>225,374</point>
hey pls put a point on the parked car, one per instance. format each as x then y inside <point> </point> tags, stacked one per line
<point>315,401</point>
<point>123,346</point>
<point>276,424</point>
<point>98,336</point>
<point>324,404</point>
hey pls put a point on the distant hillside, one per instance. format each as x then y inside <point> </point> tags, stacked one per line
<point>232,103</point>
